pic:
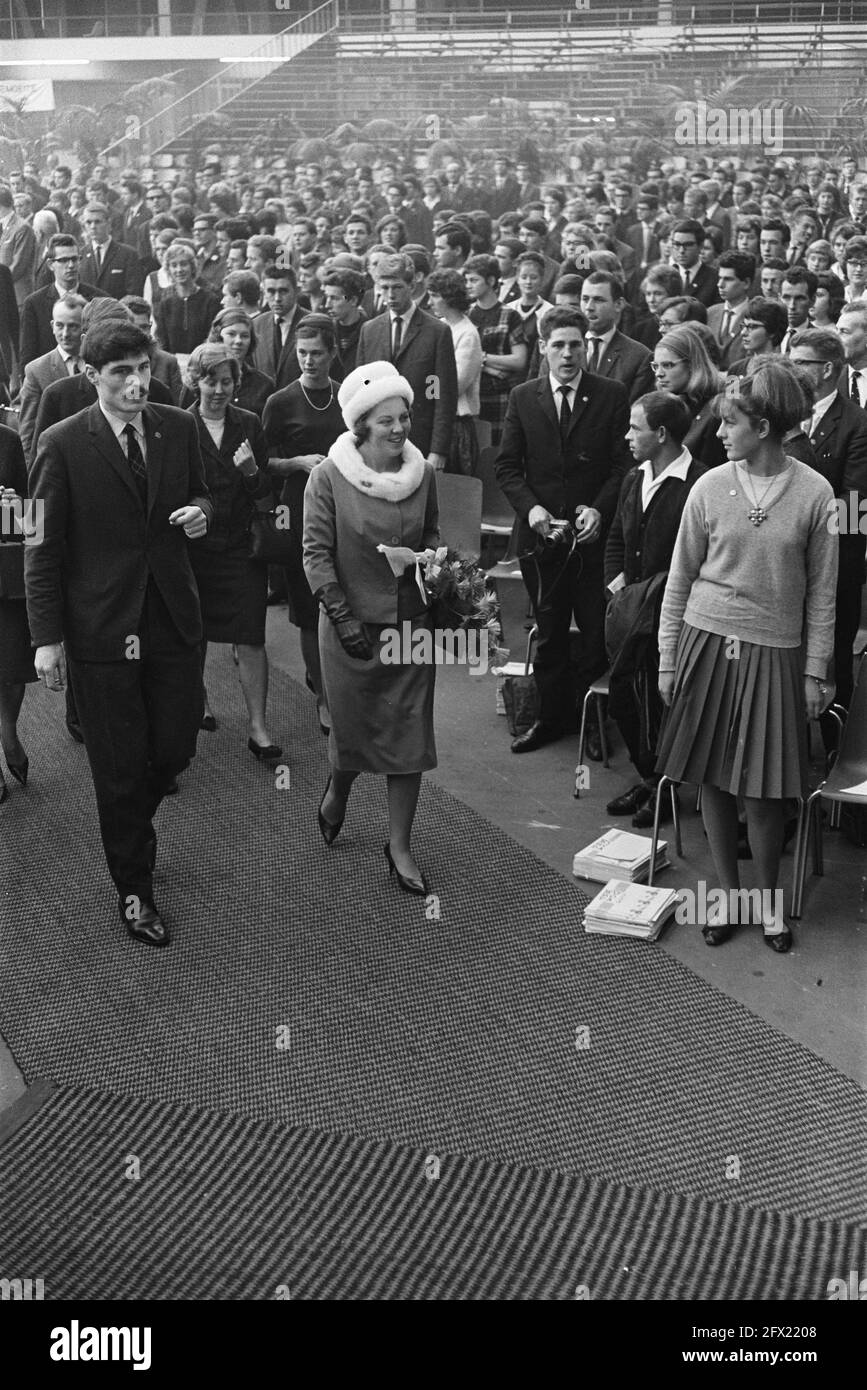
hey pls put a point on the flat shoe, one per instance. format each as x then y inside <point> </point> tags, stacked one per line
<point>536,737</point>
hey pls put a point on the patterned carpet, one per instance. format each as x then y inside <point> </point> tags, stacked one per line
<point>163,1202</point>
<point>303,989</point>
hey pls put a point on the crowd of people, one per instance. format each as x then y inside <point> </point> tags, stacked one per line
<point>671,367</point>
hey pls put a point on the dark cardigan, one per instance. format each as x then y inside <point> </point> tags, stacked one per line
<point>641,544</point>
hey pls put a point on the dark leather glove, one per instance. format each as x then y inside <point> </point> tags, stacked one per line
<point>353,638</point>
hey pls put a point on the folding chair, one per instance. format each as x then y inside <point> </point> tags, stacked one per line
<point>498,517</point>
<point>846,783</point>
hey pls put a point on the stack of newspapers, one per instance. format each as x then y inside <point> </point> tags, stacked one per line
<point>630,909</point>
<point>617,854</point>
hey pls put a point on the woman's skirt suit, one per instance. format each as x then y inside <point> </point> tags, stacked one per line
<point>233,589</point>
<point>381,713</point>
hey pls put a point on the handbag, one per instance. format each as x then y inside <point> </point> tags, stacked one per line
<point>271,539</point>
<point>12,570</point>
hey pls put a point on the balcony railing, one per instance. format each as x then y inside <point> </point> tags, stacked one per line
<point>140,19</point>
<point>202,101</point>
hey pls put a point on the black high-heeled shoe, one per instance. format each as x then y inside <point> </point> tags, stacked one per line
<point>409,885</point>
<point>265,752</point>
<point>19,770</point>
<point>329,829</point>
<point>209,723</point>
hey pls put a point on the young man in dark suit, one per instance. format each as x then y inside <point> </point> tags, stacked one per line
<point>563,457</point>
<point>838,434</point>
<point>611,353</point>
<point>57,365</point>
<point>115,269</point>
<point>64,262</point>
<point>698,280</point>
<point>111,593</point>
<point>422,349</point>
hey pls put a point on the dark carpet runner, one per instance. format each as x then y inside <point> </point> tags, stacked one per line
<point>303,989</point>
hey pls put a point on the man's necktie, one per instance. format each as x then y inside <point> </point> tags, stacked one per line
<point>135,459</point>
<point>97,254</point>
<point>565,413</point>
<point>726,324</point>
<point>593,353</point>
<point>397,338</point>
<point>855,390</point>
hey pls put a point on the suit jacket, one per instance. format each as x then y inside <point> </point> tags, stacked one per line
<point>730,345</point>
<point>533,468</point>
<point>634,238</point>
<point>840,446</point>
<point>505,198</point>
<point>703,287</point>
<point>37,375</point>
<point>132,230</point>
<point>120,273</point>
<point>62,399</point>
<point>844,387</point>
<point>37,335</point>
<point>165,369</point>
<point>427,360</point>
<point>18,252</point>
<point>701,437</point>
<point>627,361</point>
<point>9,322</point>
<point>646,331</point>
<point>86,581</point>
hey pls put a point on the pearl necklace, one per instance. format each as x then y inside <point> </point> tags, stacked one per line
<point>320,408</point>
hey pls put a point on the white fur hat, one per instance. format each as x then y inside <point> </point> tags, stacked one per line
<point>367,386</point>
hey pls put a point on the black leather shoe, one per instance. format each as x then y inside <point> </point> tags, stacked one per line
<point>536,737</point>
<point>593,744</point>
<point>643,819</point>
<point>780,941</point>
<point>409,885</point>
<point>329,830</point>
<point>265,752</point>
<point>75,730</point>
<point>630,802</point>
<point>147,925</point>
<point>715,936</point>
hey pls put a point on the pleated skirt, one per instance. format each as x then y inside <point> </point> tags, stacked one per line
<point>737,718</point>
<point>381,714</point>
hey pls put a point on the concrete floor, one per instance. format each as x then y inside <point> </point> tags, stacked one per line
<point>816,995</point>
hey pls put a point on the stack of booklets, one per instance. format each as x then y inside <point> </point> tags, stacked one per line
<point>617,854</point>
<point>630,909</point>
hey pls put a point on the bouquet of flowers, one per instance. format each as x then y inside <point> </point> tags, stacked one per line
<point>459,596</point>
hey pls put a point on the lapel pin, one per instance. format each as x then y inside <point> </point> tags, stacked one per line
<point>157,434</point>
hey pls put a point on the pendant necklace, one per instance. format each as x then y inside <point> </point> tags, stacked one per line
<point>320,408</point>
<point>757,513</point>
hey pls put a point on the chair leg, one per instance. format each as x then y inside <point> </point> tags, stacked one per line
<point>675,816</point>
<point>582,734</point>
<point>818,855</point>
<point>601,722</point>
<point>799,872</point>
<point>657,807</point>
<point>532,635</point>
<point>698,800</point>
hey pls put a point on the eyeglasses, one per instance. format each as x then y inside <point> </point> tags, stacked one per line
<point>856,265</point>
<point>665,366</point>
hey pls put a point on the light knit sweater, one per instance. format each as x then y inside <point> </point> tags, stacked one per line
<point>774,584</point>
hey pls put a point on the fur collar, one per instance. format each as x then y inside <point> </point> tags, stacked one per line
<point>392,487</point>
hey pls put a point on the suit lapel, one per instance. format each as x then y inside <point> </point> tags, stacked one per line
<point>547,402</point>
<point>154,434</point>
<point>411,330</point>
<point>105,442</point>
<point>828,423</point>
<point>581,400</point>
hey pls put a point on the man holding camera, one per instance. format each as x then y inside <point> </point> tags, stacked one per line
<point>562,459</point>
